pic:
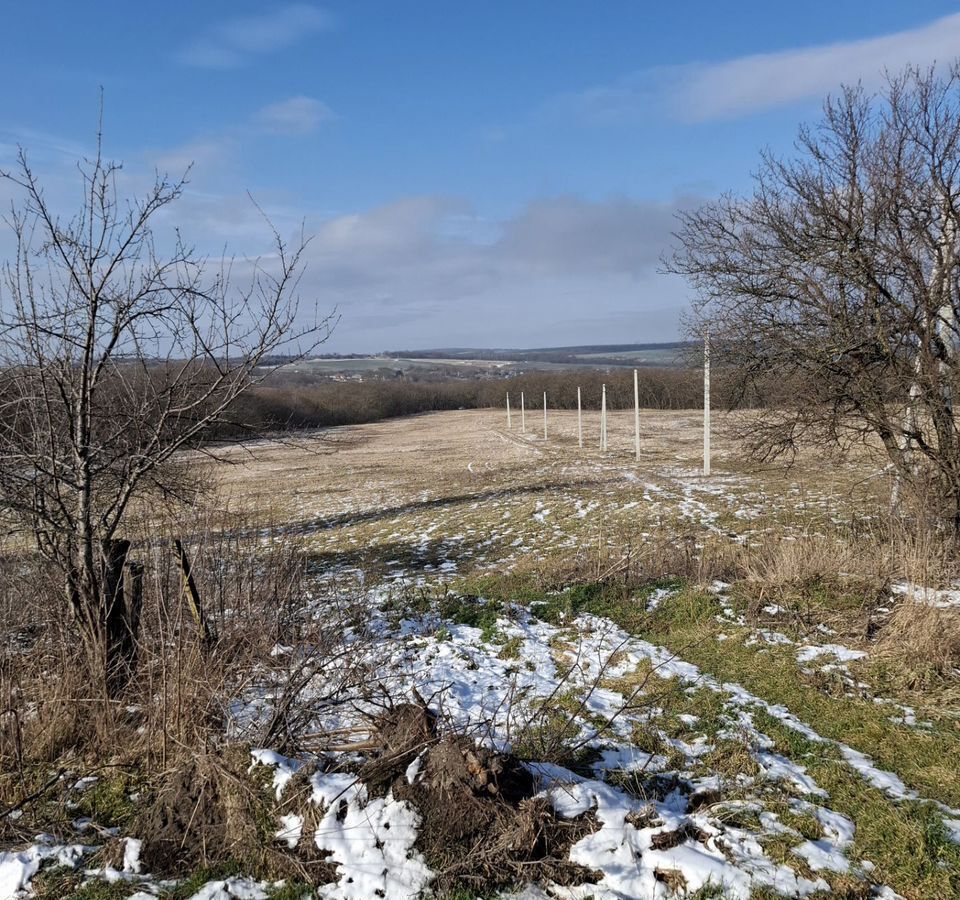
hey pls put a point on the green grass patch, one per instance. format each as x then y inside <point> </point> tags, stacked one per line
<point>511,648</point>
<point>906,841</point>
<point>624,604</point>
<point>108,801</point>
<point>292,890</point>
<point>475,612</point>
<point>503,587</point>
<point>197,879</point>
<point>925,760</point>
<point>56,883</point>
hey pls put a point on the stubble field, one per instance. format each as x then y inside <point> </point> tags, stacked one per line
<point>726,649</point>
<point>509,667</point>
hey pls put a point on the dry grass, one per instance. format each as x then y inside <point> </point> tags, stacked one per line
<point>534,520</point>
<point>170,727</point>
<point>921,644</point>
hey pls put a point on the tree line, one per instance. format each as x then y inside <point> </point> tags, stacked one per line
<point>270,408</point>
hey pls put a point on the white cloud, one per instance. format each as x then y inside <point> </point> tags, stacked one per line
<point>431,270</point>
<point>564,234</point>
<point>761,81</point>
<point>767,80</point>
<point>295,116</point>
<point>445,245</point>
<point>233,42</point>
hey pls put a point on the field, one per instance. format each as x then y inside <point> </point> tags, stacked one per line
<point>770,704</point>
<point>504,362</point>
<point>720,687</point>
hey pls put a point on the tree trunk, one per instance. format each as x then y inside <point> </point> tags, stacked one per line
<point>107,604</point>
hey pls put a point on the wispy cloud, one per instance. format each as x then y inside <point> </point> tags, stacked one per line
<point>41,145</point>
<point>218,150</point>
<point>762,81</point>
<point>206,152</point>
<point>296,115</point>
<point>234,42</point>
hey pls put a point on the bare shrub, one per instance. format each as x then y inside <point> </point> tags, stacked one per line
<point>119,347</point>
<point>254,591</point>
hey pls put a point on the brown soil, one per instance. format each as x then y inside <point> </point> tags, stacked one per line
<point>482,827</point>
<point>209,810</point>
<point>187,824</point>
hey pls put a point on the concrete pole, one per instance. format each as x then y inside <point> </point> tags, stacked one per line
<point>544,415</point>
<point>523,415</point>
<point>509,425</point>
<point>706,404</point>
<point>603,419</point>
<point>601,423</point>
<point>636,414</point>
<point>579,421</point>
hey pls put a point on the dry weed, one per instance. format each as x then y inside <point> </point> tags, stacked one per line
<point>921,642</point>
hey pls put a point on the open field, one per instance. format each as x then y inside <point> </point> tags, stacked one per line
<point>701,674</point>
<point>290,609</point>
<point>435,470</point>
<point>503,362</point>
<point>778,702</point>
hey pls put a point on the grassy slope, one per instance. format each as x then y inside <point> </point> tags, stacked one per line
<point>906,841</point>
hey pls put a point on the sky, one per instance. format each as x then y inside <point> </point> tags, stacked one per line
<point>473,174</point>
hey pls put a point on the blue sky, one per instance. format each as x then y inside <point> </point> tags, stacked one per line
<point>475,174</point>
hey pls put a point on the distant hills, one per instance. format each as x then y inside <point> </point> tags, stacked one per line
<point>591,354</point>
<point>486,362</point>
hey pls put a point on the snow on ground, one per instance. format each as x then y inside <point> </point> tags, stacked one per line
<point>641,837</point>
<point>17,868</point>
<point>948,598</point>
<point>844,654</point>
<point>369,840</point>
<point>476,686</point>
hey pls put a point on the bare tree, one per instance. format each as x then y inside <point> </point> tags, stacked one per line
<point>116,353</point>
<point>834,287</point>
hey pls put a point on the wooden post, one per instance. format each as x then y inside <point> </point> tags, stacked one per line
<point>133,594</point>
<point>523,416</point>
<point>193,595</point>
<point>509,426</point>
<point>544,415</point>
<point>579,421</point>
<point>120,618</point>
<point>636,415</point>
<point>706,403</point>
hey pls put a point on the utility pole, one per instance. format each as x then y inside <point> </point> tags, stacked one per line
<point>523,416</point>
<point>509,426</point>
<point>544,415</point>
<point>579,421</point>
<point>706,403</point>
<point>636,414</point>
<point>603,419</point>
